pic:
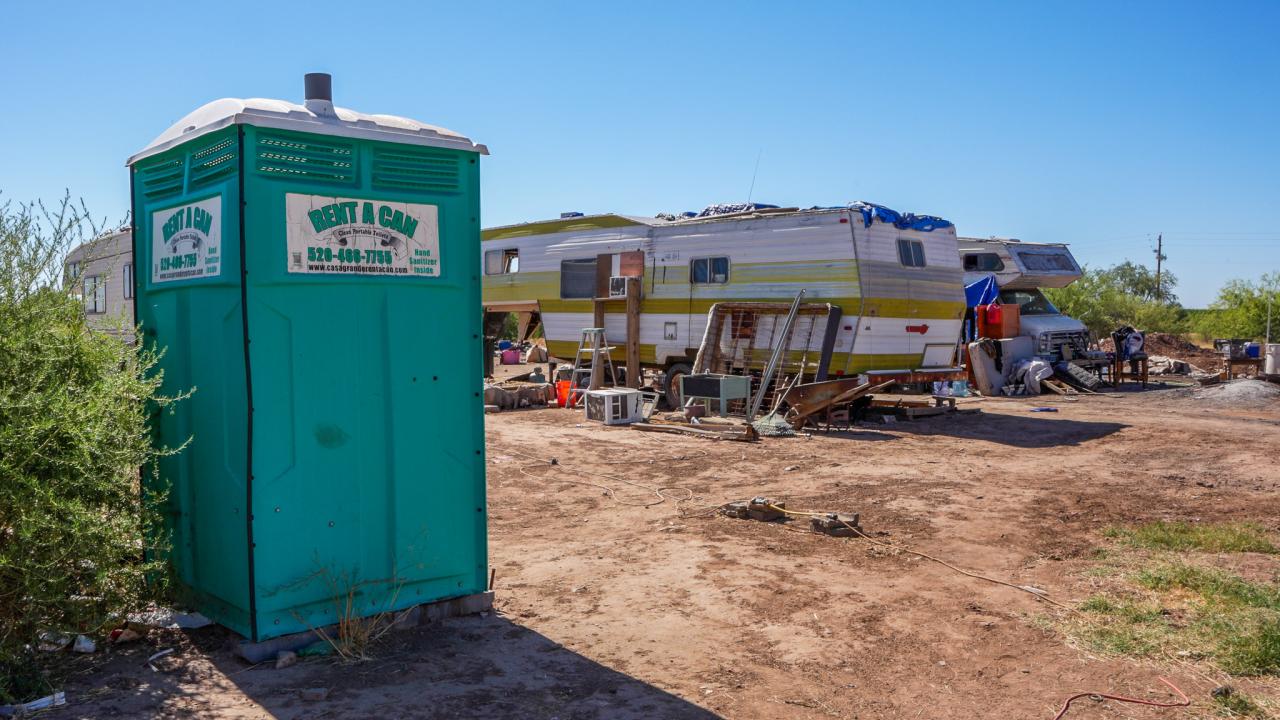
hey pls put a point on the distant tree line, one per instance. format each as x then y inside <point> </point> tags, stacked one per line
<point>1128,294</point>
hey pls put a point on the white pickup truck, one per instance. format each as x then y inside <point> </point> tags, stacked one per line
<point>1021,269</point>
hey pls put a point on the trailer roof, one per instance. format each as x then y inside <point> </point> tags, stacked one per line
<point>602,221</point>
<point>282,114</point>
<point>869,211</point>
<point>1008,241</point>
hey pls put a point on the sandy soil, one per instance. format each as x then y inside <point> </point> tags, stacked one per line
<point>608,608</point>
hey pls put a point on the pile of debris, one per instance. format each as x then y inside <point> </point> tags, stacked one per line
<point>709,428</point>
<point>1240,394</point>
<point>1172,354</point>
<point>766,509</point>
<point>511,395</point>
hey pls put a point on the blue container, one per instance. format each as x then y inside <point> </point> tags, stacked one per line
<point>1253,350</point>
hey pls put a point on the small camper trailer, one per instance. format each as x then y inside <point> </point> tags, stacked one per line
<point>894,280</point>
<point>1021,269</point>
<point>1018,265</point>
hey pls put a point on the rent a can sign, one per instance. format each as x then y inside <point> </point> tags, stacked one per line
<point>361,236</point>
<point>186,241</point>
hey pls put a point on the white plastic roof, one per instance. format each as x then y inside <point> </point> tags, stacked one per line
<point>281,114</point>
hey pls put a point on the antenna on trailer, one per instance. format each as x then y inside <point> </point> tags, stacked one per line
<point>753,176</point>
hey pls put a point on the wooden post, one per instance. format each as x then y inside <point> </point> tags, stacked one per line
<point>597,313</point>
<point>633,332</point>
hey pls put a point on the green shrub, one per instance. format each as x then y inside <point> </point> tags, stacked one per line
<point>1240,311</point>
<point>80,544</point>
<point>1122,295</point>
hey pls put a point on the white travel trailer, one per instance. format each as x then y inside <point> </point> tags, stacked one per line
<point>896,279</point>
<point>1021,269</point>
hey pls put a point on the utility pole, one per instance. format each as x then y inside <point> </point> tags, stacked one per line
<point>1270,297</point>
<point>1159,259</point>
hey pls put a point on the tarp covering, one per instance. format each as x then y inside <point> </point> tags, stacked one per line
<point>982,292</point>
<point>729,208</point>
<point>902,221</point>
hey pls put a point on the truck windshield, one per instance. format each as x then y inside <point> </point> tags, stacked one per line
<point>1031,302</point>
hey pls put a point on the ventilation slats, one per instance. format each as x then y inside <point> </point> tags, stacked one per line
<point>287,157</point>
<point>162,179</point>
<point>411,169</point>
<point>212,163</point>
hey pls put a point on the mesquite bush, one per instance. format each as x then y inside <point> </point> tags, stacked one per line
<point>81,544</point>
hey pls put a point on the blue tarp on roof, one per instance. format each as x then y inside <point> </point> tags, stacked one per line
<point>902,221</point>
<point>982,292</point>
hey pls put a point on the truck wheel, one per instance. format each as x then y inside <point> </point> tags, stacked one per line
<point>671,384</point>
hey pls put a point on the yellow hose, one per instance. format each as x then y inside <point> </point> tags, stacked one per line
<point>1038,595</point>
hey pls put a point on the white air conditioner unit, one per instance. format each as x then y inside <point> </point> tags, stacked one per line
<point>618,286</point>
<point>613,406</point>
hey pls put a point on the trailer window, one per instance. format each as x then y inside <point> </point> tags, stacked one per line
<point>983,262</point>
<point>911,252</point>
<point>1051,261</point>
<point>502,262</point>
<point>95,295</point>
<point>578,279</point>
<point>709,271</point>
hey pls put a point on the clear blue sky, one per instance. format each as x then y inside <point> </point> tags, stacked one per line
<point>1096,124</point>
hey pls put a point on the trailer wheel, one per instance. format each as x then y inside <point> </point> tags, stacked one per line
<point>671,384</point>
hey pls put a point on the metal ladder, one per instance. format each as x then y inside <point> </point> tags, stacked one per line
<point>591,347</point>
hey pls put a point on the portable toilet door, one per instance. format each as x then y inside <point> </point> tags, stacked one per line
<point>312,276</point>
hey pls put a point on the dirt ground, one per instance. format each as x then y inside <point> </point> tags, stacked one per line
<point>611,607</point>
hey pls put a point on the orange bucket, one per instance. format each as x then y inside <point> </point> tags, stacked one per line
<point>562,392</point>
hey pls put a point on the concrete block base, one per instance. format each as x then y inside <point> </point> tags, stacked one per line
<point>424,614</point>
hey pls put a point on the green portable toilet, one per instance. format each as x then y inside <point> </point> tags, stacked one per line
<point>313,274</point>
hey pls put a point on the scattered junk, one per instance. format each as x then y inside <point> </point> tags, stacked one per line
<point>512,395</point>
<point>812,400</point>
<point>285,659</point>
<point>757,508</point>
<point>907,407</point>
<point>836,524</point>
<point>1163,365</point>
<point>772,425</point>
<point>84,644</point>
<point>992,362</point>
<point>706,429</point>
<point>766,509</point>
<point>168,618</point>
<point>1244,354</point>
<point>537,352</point>
<point>613,406</point>
<point>161,661</point>
<point>315,694</point>
<point>49,641</point>
<point>714,388</point>
<point>57,699</point>
<point>120,636</point>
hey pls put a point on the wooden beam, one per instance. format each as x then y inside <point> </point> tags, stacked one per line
<point>633,332</point>
<point>597,312</point>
